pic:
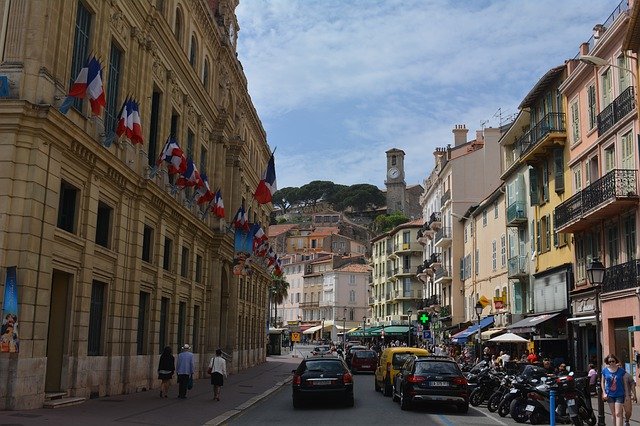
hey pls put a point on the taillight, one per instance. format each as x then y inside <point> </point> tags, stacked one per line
<point>347,378</point>
<point>388,367</point>
<point>460,381</point>
<point>536,396</point>
<point>415,379</point>
<point>297,380</point>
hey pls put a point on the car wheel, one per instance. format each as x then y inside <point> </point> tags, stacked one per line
<point>404,403</point>
<point>394,395</point>
<point>463,408</point>
<point>297,402</point>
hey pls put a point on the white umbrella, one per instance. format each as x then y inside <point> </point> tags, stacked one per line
<point>509,337</point>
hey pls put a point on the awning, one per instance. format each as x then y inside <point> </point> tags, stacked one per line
<point>529,324</point>
<point>509,338</point>
<point>633,328</point>
<point>393,330</point>
<point>486,335</point>
<point>312,330</point>
<point>582,318</point>
<point>461,337</point>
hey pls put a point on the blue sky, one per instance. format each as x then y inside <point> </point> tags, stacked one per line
<point>337,83</point>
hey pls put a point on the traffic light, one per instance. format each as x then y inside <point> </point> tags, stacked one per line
<point>424,319</point>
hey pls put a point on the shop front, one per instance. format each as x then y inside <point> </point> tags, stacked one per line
<point>548,332</point>
<point>582,329</point>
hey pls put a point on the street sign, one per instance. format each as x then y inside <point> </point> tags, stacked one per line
<point>295,337</point>
<point>426,334</point>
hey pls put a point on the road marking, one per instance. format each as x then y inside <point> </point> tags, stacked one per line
<point>492,418</point>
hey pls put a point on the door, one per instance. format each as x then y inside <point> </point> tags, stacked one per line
<point>621,336</point>
<point>57,332</point>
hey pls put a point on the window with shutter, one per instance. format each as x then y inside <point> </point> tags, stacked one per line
<point>591,99</point>
<point>538,239</point>
<point>575,122</point>
<point>548,232</point>
<point>545,181</point>
<point>627,151</point>
<point>533,186</point>
<point>462,276</point>
<point>558,170</point>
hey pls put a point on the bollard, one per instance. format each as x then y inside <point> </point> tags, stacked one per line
<point>552,407</point>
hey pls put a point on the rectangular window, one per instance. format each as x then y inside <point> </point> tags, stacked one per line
<point>494,255</point>
<point>153,129</point>
<point>609,158</point>
<point>147,244</point>
<point>196,327</point>
<point>533,186</point>
<point>103,225</point>
<point>352,279</point>
<point>624,77</point>
<point>545,181</point>
<point>607,88</point>
<point>175,123</point>
<point>503,250</point>
<point>164,320</point>
<point>628,161</point>
<point>477,263</point>
<point>614,248</point>
<point>547,232</point>
<point>591,100</point>
<point>67,207</point>
<point>558,170</point>
<point>184,262</point>
<point>575,122</point>
<point>96,318</point>
<point>484,218</point>
<point>495,210</point>
<point>166,258</point>
<point>80,47</point>
<point>143,315</point>
<point>203,159</point>
<point>182,324</point>
<point>538,237</point>
<point>406,237</point>
<point>113,87</point>
<point>629,224</point>
<point>199,269</point>
<point>190,143</point>
<point>577,179</point>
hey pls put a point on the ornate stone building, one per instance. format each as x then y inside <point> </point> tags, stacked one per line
<point>112,265</point>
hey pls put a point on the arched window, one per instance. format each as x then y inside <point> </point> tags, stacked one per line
<point>192,54</point>
<point>178,26</point>
<point>205,74</point>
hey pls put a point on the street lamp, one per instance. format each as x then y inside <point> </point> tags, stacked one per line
<point>344,329</point>
<point>479,309</point>
<point>322,332</point>
<point>409,337</point>
<point>364,327</point>
<point>599,62</point>
<point>595,273</point>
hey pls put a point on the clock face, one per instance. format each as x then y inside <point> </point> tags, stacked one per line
<point>394,173</point>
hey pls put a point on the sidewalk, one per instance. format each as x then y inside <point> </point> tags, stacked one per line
<point>240,391</point>
<point>635,412</point>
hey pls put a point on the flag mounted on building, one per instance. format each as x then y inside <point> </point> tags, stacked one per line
<point>88,84</point>
<point>217,207</point>
<point>173,155</point>
<point>267,186</point>
<point>129,124</point>
<point>203,193</point>
<point>190,177</point>
<point>241,219</point>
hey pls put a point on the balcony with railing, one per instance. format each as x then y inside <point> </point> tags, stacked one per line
<point>616,110</point>
<point>305,305</point>
<point>432,300</point>
<point>435,259</point>
<point>604,198</point>
<point>546,134</point>
<point>408,294</point>
<point>405,248</point>
<point>443,274</point>
<point>445,312</point>
<point>443,237</point>
<point>435,221</point>
<point>518,267</point>
<point>517,214</point>
<point>445,197</point>
<point>621,277</point>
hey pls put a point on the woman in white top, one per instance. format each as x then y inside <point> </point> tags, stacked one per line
<point>218,367</point>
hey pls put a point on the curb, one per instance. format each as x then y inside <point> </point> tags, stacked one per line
<point>230,414</point>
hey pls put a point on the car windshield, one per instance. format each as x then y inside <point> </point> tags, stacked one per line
<point>322,348</point>
<point>364,354</point>
<point>479,366</point>
<point>437,367</point>
<point>324,366</point>
<point>399,359</point>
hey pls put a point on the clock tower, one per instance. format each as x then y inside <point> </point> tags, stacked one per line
<point>395,184</point>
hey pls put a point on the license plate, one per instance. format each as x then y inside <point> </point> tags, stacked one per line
<point>366,366</point>
<point>530,408</point>
<point>322,382</point>
<point>513,391</point>
<point>438,383</point>
<point>571,402</point>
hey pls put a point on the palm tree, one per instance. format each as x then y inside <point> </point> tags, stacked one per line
<point>279,293</point>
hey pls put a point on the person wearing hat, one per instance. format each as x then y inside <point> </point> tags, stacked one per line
<point>184,369</point>
<point>218,367</point>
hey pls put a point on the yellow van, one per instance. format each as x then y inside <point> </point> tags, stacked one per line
<point>391,360</point>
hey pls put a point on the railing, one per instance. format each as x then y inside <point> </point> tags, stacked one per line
<point>517,212</point>
<point>434,258</point>
<point>552,122</point>
<point>435,217</point>
<point>618,183</point>
<point>309,304</point>
<point>622,276</point>
<point>445,311</point>
<point>434,299</point>
<point>408,294</point>
<point>616,110</point>
<point>517,266</point>
<point>446,197</point>
<point>443,272</point>
<point>444,232</point>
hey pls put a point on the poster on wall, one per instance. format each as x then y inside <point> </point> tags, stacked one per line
<point>243,249</point>
<point>9,332</point>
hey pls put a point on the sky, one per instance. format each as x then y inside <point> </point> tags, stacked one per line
<point>336,83</point>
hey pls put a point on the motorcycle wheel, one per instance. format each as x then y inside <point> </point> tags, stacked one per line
<point>537,417</point>
<point>493,401</point>
<point>476,398</point>
<point>503,407</point>
<point>586,416</point>
<point>518,410</point>
<point>577,421</point>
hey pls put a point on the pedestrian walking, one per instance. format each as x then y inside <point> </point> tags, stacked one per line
<point>218,367</point>
<point>614,387</point>
<point>593,377</point>
<point>630,396</point>
<point>184,369</point>
<point>166,368</point>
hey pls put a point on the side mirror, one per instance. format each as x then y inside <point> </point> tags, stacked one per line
<point>568,367</point>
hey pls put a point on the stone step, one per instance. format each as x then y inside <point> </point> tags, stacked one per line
<point>54,395</point>
<point>64,402</point>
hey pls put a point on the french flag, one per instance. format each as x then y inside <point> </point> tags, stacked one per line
<point>203,192</point>
<point>129,123</point>
<point>190,177</point>
<point>258,238</point>
<point>267,186</point>
<point>173,155</point>
<point>218,205</point>
<point>241,219</point>
<point>87,84</point>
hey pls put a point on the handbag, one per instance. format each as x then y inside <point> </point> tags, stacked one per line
<point>190,383</point>
<point>209,370</point>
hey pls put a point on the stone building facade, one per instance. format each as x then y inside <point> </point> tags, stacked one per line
<point>112,265</point>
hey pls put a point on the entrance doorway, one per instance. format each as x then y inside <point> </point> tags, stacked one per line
<point>57,333</point>
<point>622,342</point>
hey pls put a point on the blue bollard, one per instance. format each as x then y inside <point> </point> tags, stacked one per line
<point>552,407</point>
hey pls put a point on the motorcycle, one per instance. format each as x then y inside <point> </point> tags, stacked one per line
<point>505,387</point>
<point>487,384</point>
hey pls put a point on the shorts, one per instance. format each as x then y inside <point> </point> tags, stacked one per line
<point>615,399</point>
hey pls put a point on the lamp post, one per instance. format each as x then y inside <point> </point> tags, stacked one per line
<point>595,273</point>
<point>344,329</point>
<point>479,309</point>
<point>322,332</point>
<point>409,332</point>
<point>364,327</point>
<point>599,62</point>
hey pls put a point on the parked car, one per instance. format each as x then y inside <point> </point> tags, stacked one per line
<point>321,350</point>
<point>364,360</point>
<point>322,377</point>
<point>350,352</point>
<point>391,360</point>
<point>424,379</point>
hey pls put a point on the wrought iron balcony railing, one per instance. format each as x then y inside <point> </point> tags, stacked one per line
<point>517,266</point>
<point>434,218</point>
<point>618,183</point>
<point>517,213</point>
<point>434,299</point>
<point>550,123</point>
<point>622,276</point>
<point>443,272</point>
<point>616,110</point>
<point>444,232</point>
<point>446,197</point>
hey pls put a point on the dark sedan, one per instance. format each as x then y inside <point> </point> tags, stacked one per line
<point>431,379</point>
<point>322,377</point>
<point>364,360</point>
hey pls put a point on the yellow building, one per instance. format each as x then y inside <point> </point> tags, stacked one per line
<point>112,265</point>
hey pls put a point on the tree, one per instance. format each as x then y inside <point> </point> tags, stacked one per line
<point>285,198</point>
<point>360,197</point>
<point>279,293</point>
<point>386,222</point>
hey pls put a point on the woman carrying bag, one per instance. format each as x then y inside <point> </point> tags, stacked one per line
<point>218,371</point>
<point>165,370</point>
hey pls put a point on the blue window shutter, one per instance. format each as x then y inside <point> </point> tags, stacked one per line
<point>533,186</point>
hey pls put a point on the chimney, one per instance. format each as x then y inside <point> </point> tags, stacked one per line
<point>584,49</point>
<point>459,134</point>
<point>479,136</point>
